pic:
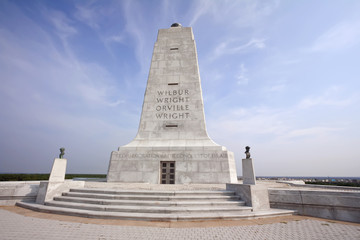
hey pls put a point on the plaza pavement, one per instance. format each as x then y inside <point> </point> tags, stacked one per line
<point>18,223</point>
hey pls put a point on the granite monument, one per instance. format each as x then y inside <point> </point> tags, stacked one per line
<point>172,145</point>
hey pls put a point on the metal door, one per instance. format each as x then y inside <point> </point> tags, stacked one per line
<point>167,172</point>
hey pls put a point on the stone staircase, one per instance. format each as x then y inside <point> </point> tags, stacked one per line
<point>150,205</point>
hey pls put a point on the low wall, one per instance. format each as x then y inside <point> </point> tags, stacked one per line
<point>48,189</point>
<point>255,196</point>
<point>337,205</point>
<point>12,192</point>
<point>329,204</point>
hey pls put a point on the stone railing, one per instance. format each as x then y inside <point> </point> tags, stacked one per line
<point>338,205</point>
<point>12,192</point>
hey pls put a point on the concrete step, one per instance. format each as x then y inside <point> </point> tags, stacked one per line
<point>152,192</point>
<point>152,197</point>
<point>149,202</point>
<point>149,209</point>
<point>149,205</point>
<point>154,216</point>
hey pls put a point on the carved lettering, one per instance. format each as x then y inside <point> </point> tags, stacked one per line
<point>171,155</point>
<point>173,92</point>
<point>172,115</point>
<point>166,109</point>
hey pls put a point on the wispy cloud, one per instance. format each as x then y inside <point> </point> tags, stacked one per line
<point>329,98</point>
<point>340,36</point>
<point>276,88</point>
<point>252,121</point>
<point>132,22</point>
<point>87,14</point>
<point>62,24</point>
<point>96,85</point>
<point>60,69</point>
<point>234,46</point>
<point>202,7</point>
<point>313,131</point>
<point>237,13</point>
<point>116,39</point>
<point>242,76</point>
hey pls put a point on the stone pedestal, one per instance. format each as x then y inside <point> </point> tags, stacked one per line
<point>172,127</point>
<point>56,184</point>
<point>255,196</point>
<point>49,190</point>
<point>58,170</point>
<point>248,171</point>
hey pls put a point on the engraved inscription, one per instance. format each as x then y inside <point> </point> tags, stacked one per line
<point>172,104</point>
<point>171,155</point>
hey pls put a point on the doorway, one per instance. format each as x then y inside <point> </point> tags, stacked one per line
<point>167,172</point>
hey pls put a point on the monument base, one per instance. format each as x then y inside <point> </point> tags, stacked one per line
<point>48,190</point>
<point>172,165</point>
<point>56,184</point>
<point>58,170</point>
<point>255,196</point>
<point>248,171</point>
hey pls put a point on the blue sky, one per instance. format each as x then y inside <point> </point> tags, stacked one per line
<point>279,76</point>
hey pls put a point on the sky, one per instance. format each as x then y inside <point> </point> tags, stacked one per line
<point>279,76</point>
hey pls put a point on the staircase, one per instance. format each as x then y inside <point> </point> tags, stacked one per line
<point>149,205</point>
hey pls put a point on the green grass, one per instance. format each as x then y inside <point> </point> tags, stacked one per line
<point>42,176</point>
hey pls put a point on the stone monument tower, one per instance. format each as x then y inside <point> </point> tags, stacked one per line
<point>172,145</point>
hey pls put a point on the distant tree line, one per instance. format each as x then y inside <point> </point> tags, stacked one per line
<point>41,176</point>
<point>346,184</point>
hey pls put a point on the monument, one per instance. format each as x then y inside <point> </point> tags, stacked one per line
<point>47,189</point>
<point>248,168</point>
<point>172,145</point>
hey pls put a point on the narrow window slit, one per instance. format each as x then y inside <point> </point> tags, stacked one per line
<point>173,83</point>
<point>172,125</point>
<point>175,48</point>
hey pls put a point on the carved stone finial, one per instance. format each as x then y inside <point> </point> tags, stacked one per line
<point>62,152</point>
<point>247,152</point>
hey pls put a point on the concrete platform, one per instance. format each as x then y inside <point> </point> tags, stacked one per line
<point>218,215</point>
<point>151,205</point>
<point>19,223</point>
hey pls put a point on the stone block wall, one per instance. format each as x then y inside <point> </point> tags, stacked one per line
<point>337,205</point>
<point>12,192</point>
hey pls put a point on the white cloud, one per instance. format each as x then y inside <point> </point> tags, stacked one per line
<point>276,88</point>
<point>328,98</point>
<point>242,78</point>
<point>62,24</point>
<point>277,138</point>
<point>133,20</point>
<point>311,132</point>
<point>342,35</point>
<point>236,13</point>
<point>202,8</point>
<point>60,70</point>
<point>252,121</point>
<point>87,14</point>
<point>233,46</point>
<point>96,14</point>
<point>116,39</point>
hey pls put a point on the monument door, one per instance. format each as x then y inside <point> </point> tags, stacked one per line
<point>168,172</point>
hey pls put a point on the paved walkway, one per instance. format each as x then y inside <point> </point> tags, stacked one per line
<point>17,224</point>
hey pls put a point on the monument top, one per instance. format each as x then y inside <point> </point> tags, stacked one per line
<point>173,109</point>
<point>176,25</point>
